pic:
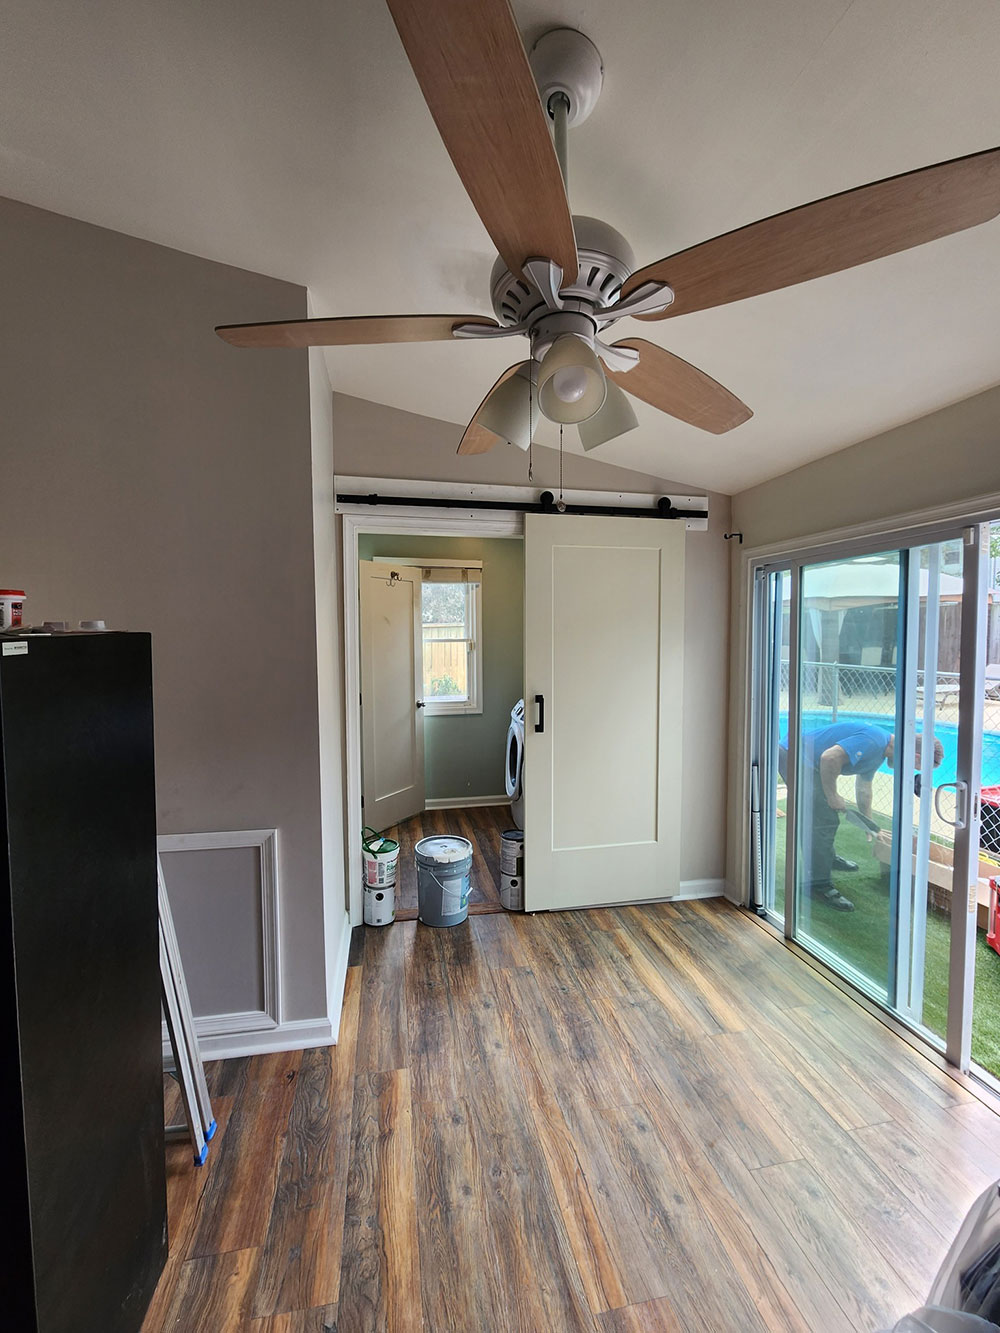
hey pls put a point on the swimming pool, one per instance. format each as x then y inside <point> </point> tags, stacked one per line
<point>946,732</point>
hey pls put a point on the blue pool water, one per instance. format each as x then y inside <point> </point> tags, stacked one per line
<point>946,732</point>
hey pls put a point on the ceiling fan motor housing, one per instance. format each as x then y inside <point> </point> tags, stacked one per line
<point>606,260</point>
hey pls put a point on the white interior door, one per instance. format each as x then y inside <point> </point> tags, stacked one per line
<point>392,724</point>
<point>604,626</point>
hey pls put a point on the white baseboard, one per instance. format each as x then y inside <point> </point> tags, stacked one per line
<point>460,802</point>
<point>298,1035</point>
<point>700,888</point>
<point>689,889</point>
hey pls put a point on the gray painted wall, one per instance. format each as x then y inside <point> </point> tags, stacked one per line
<point>371,440</point>
<point>948,456</point>
<point>464,754</point>
<point>162,480</point>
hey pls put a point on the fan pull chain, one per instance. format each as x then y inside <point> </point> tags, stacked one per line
<point>562,502</point>
<point>531,433</point>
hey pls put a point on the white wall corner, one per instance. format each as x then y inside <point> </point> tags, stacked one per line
<point>339,952</point>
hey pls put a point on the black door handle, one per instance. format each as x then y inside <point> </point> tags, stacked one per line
<point>540,705</point>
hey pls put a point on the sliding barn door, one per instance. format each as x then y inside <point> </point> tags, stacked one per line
<point>604,626</point>
<point>392,718</point>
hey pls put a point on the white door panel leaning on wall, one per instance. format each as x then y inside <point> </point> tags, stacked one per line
<point>392,726</point>
<point>604,625</point>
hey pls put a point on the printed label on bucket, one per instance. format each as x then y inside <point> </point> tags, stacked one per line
<point>379,873</point>
<point>454,899</point>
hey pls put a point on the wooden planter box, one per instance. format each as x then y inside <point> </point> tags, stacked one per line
<point>940,870</point>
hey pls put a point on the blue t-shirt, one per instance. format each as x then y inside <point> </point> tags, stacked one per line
<point>863,744</point>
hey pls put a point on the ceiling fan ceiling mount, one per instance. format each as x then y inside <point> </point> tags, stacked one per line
<point>564,61</point>
<point>562,281</point>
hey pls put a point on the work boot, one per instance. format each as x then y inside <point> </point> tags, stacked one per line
<point>826,893</point>
<point>842,863</point>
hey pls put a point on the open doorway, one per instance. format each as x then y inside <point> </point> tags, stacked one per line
<point>442,667</point>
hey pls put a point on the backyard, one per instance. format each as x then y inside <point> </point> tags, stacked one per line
<point>861,939</point>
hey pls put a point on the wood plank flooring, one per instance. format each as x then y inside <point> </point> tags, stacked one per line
<point>482,825</point>
<point>638,1120</point>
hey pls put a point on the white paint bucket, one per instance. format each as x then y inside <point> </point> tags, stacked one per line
<point>512,892</point>
<point>380,856</point>
<point>380,905</point>
<point>11,607</point>
<point>444,864</point>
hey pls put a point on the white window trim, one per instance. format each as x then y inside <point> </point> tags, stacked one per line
<point>474,703</point>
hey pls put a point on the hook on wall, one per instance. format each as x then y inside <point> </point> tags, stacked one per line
<point>728,536</point>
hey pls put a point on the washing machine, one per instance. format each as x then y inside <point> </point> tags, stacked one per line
<point>514,763</point>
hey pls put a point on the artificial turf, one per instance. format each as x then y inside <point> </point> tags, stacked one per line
<point>861,938</point>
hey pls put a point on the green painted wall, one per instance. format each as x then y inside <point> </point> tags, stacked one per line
<point>464,755</point>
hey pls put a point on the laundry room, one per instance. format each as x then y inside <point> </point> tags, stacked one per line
<point>442,671</point>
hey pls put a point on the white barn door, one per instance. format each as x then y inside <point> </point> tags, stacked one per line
<point>604,626</point>
<point>392,723</point>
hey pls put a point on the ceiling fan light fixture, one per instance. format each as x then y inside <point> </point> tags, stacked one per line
<point>615,418</point>
<point>506,410</point>
<point>571,383</point>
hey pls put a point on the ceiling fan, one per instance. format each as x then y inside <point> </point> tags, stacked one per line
<point>562,281</point>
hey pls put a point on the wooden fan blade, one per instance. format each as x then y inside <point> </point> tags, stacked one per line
<point>477,439</point>
<point>830,235</point>
<point>474,75</point>
<point>352,331</point>
<point>682,390</point>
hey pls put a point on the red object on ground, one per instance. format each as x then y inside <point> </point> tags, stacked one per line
<point>989,832</point>
<point>993,933</point>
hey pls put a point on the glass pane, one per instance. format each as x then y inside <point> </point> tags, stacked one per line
<point>445,625</point>
<point>849,631</point>
<point>986,1005</point>
<point>925,920</point>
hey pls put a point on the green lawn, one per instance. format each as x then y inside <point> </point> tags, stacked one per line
<point>861,938</point>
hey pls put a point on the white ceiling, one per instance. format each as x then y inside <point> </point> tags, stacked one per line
<point>291,139</point>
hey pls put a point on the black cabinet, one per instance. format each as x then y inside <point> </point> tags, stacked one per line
<point>81,1088</point>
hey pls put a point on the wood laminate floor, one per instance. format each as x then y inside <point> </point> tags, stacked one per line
<point>482,825</point>
<point>640,1120</point>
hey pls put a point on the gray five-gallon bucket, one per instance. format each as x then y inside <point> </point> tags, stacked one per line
<point>443,867</point>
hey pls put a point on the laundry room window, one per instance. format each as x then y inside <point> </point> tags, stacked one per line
<point>451,616</point>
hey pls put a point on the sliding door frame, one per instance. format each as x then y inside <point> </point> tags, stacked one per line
<point>790,563</point>
<point>968,770</point>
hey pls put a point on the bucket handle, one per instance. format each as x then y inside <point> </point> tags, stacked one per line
<point>466,877</point>
<point>368,836</point>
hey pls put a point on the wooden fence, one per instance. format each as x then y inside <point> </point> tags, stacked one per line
<point>445,659</point>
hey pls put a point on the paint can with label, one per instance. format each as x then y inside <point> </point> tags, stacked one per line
<point>11,607</point>
<point>512,870</point>
<point>380,905</point>
<point>380,856</point>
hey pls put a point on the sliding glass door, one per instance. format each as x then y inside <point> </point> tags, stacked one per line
<point>864,798</point>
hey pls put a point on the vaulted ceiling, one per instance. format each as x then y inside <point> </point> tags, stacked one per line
<point>291,139</point>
